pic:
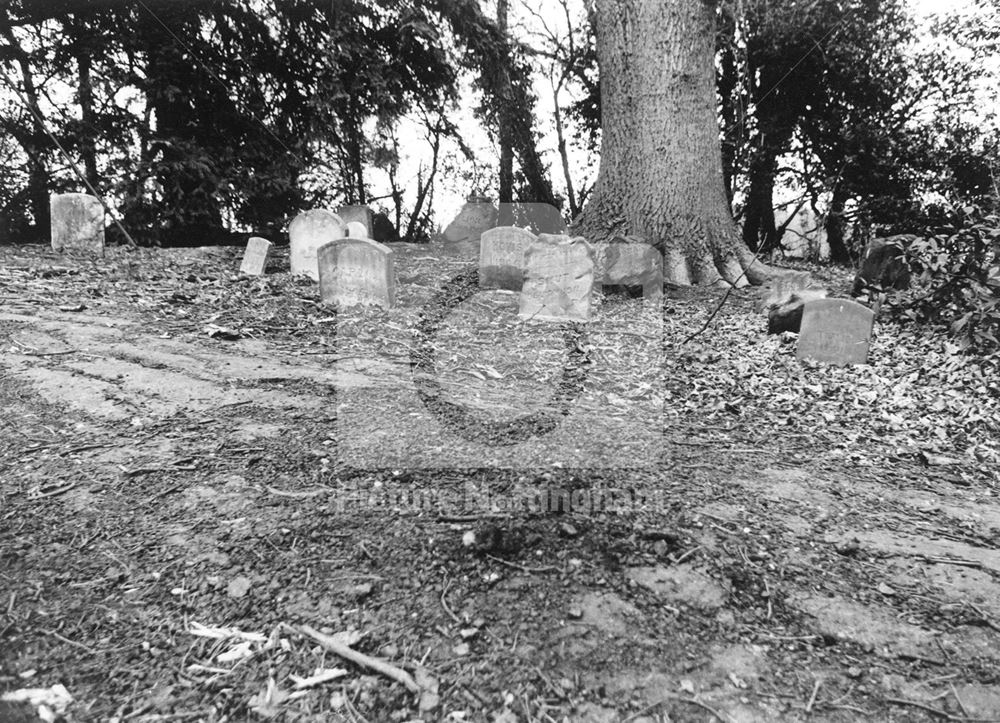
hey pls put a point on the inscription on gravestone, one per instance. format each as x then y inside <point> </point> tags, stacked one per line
<point>835,331</point>
<point>77,222</point>
<point>501,257</point>
<point>307,232</point>
<point>357,272</point>
<point>558,279</point>
<point>255,256</point>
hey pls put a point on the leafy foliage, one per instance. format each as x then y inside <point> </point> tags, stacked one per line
<point>960,280</point>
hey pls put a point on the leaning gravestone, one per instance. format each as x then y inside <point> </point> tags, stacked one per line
<point>357,271</point>
<point>358,214</point>
<point>77,222</point>
<point>835,331</point>
<point>631,264</point>
<point>558,279</point>
<point>306,233</point>
<point>255,256</point>
<point>501,257</point>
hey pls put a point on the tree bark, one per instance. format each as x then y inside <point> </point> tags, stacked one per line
<point>836,227</point>
<point>661,165</point>
<point>85,96</point>
<point>506,176</point>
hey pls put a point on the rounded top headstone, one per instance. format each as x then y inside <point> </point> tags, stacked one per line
<point>356,229</point>
<point>307,232</point>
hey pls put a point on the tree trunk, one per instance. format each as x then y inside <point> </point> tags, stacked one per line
<point>506,179</point>
<point>835,229</point>
<point>85,96</point>
<point>759,233</point>
<point>35,143</point>
<point>661,165</point>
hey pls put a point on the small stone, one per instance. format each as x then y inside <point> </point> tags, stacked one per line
<point>568,529</point>
<point>238,587</point>
<point>461,649</point>
<point>854,672</point>
<point>574,613</point>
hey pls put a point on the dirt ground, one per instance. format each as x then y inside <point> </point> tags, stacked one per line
<point>198,468</point>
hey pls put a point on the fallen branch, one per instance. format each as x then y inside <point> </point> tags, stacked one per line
<point>366,661</point>
<point>938,712</point>
<point>681,698</point>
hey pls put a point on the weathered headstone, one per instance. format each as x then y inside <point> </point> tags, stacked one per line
<point>77,222</point>
<point>306,233</point>
<point>501,257</point>
<point>255,256</point>
<point>631,265</point>
<point>356,229</point>
<point>558,279</point>
<point>357,271</point>
<point>835,331</point>
<point>358,214</point>
<point>474,218</point>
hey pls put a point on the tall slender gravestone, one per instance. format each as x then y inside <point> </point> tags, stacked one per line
<point>306,233</point>
<point>255,256</point>
<point>358,214</point>
<point>77,222</point>
<point>835,331</point>
<point>501,257</point>
<point>357,272</point>
<point>558,279</point>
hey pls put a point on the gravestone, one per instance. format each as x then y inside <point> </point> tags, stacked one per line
<point>306,233</point>
<point>356,229</point>
<point>558,279</point>
<point>474,218</point>
<point>255,256</point>
<point>358,214</point>
<point>77,222</point>
<point>631,265</point>
<point>835,331</point>
<point>501,257</point>
<point>357,272</point>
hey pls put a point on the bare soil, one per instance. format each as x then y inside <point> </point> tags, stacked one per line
<point>182,446</point>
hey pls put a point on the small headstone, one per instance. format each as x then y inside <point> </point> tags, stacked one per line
<point>306,233</point>
<point>77,222</point>
<point>474,218</point>
<point>255,256</point>
<point>355,229</point>
<point>631,265</point>
<point>558,279</point>
<point>501,257</point>
<point>358,214</point>
<point>357,271</point>
<point>835,331</point>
